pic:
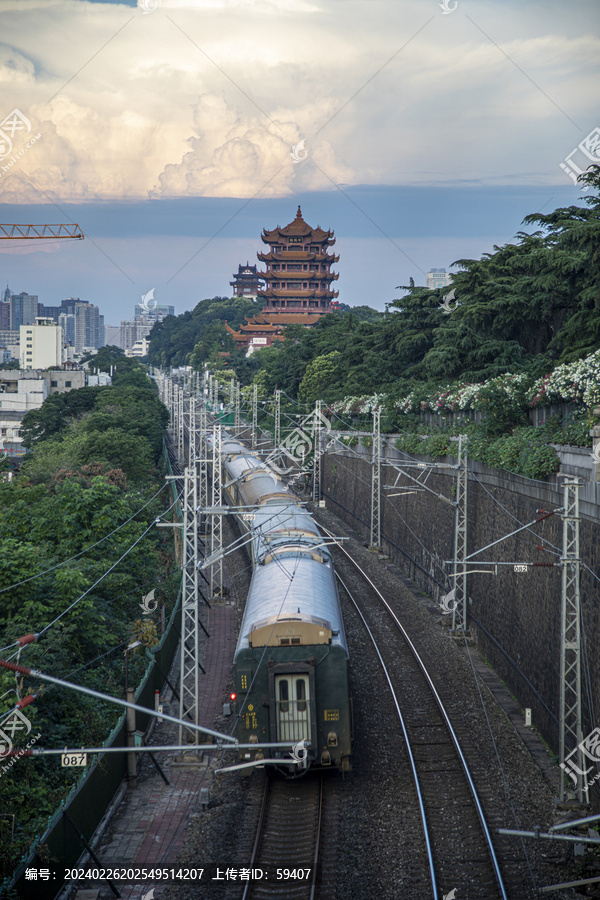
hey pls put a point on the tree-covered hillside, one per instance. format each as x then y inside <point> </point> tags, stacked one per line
<point>78,549</point>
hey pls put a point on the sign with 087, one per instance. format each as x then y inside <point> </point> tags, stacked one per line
<point>73,759</point>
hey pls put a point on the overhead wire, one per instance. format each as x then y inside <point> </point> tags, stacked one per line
<point>85,550</point>
<point>97,582</point>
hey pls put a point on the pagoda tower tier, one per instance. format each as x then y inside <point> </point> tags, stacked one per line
<point>298,274</point>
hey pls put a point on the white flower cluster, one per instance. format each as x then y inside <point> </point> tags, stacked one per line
<point>577,382</point>
<point>355,406</point>
<point>573,382</point>
<point>456,398</point>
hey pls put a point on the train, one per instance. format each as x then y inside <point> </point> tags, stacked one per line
<point>291,658</point>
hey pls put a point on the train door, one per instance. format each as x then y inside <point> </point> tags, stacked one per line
<point>292,700</point>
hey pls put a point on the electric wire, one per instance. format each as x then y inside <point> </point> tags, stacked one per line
<point>97,582</point>
<point>85,550</point>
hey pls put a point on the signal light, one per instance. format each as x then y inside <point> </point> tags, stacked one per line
<point>233,695</point>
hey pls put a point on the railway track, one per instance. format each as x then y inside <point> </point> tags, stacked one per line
<point>459,852</point>
<point>288,836</point>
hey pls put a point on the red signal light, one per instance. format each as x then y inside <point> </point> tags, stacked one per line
<point>233,695</point>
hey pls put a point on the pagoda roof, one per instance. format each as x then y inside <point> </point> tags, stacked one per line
<point>304,255</point>
<point>271,322</point>
<point>298,227</point>
<point>242,270</point>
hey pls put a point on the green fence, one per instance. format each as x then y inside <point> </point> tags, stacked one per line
<point>81,812</point>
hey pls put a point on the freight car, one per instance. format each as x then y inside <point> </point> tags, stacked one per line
<point>291,660</point>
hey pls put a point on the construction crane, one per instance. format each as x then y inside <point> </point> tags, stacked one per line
<point>30,232</point>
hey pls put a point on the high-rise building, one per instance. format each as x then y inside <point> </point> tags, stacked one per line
<point>437,278</point>
<point>132,332</point>
<point>67,322</point>
<point>4,315</point>
<point>23,309</point>
<point>49,312</point>
<point>41,345</point>
<point>157,314</point>
<point>89,326</point>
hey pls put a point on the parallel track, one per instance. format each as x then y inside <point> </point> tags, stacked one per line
<point>288,836</point>
<point>458,845</point>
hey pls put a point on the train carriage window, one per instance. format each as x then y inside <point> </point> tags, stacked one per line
<point>301,695</point>
<point>283,695</point>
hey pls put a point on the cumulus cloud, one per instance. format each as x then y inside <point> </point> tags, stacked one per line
<point>241,156</point>
<point>207,97</point>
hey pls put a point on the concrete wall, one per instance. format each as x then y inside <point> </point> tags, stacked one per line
<point>515,617</point>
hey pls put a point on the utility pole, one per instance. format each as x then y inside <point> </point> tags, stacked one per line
<point>317,453</point>
<point>216,532</point>
<point>277,438</point>
<point>181,428</point>
<point>232,395</point>
<point>254,415</point>
<point>376,482</point>
<point>460,611</point>
<point>570,649</point>
<point>203,457</point>
<point>236,420</point>
<point>192,434</point>
<point>190,662</point>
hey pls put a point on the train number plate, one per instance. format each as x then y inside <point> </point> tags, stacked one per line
<point>331,715</point>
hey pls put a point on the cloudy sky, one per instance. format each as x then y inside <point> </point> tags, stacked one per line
<point>424,132</point>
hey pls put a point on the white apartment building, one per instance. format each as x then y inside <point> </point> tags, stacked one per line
<point>17,396</point>
<point>41,345</point>
<point>139,349</point>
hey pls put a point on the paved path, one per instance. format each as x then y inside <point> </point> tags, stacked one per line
<point>147,831</point>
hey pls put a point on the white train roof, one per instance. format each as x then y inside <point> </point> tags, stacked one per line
<point>293,586</point>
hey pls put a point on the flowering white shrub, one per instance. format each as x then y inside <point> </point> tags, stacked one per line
<point>577,382</point>
<point>355,406</point>
<point>573,382</point>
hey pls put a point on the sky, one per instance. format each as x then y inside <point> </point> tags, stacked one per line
<point>173,131</point>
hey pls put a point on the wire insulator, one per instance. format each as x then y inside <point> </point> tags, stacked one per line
<point>15,667</point>
<point>31,698</point>
<point>27,639</point>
